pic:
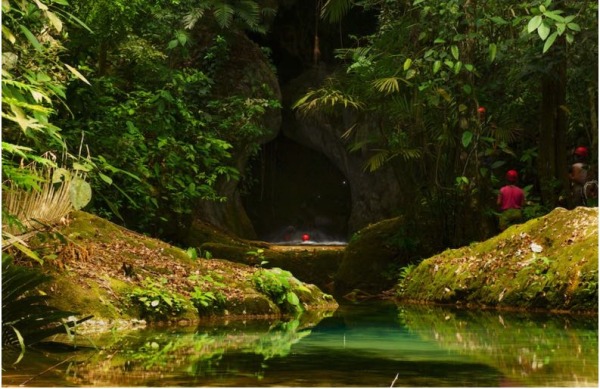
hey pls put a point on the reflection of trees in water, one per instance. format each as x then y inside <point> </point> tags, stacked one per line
<point>530,347</point>
<point>155,355</point>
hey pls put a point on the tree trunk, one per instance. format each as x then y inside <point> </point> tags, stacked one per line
<point>552,159</point>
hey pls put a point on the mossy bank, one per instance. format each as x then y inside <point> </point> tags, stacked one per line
<point>101,269</point>
<point>548,263</point>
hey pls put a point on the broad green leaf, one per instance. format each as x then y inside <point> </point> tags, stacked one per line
<point>454,50</point>
<point>543,31</point>
<point>469,67</point>
<point>407,64</point>
<point>498,164</point>
<point>574,26</point>
<point>293,299</point>
<point>534,23</point>
<point>77,74</point>
<point>106,178</point>
<point>436,66</point>
<point>439,40</point>
<point>492,51</point>
<point>467,89</point>
<point>550,41</point>
<point>80,193</point>
<point>31,38</point>
<point>457,67</point>
<point>498,20</point>
<point>561,27</point>
<point>172,44</point>
<point>467,137</point>
<point>554,16</point>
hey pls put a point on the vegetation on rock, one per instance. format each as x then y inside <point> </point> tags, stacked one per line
<point>113,273</point>
<point>548,263</point>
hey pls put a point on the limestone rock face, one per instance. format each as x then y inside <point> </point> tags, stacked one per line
<point>247,73</point>
<point>374,195</point>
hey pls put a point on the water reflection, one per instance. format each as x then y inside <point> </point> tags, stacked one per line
<point>360,345</point>
<point>535,349</point>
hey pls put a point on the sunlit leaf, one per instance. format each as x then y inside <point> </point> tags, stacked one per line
<point>550,41</point>
<point>77,74</point>
<point>534,23</point>
<point>454,50</point>
<point>543,31</point>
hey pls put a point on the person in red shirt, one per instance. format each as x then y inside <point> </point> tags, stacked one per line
<point>511,199</point>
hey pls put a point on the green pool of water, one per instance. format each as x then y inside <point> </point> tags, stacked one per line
<point>369,344</point>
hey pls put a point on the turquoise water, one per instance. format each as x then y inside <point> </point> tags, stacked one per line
<point>372,345</point>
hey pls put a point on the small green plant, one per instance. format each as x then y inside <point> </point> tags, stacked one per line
<point>259,256</point>
<point>207,302</point>
<point>192,252</point>
<point>275,284</point>
<point>404,275</point>
<point>155,301</point>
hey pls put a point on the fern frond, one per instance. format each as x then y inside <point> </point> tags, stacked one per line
<point>249,12</point>
<point>223,15</point>
<point>190,20</point>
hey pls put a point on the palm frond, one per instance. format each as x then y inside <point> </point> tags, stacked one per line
<point>389,85</point>
<point>377,160</point>
<point>26,317</point>
<point>325,100</point>
<point>334,10</point>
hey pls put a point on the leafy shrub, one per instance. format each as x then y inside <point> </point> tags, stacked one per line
<point>156,302</point>
<point>207,302</point>
<point>207,297</point>
<point>275,284</point>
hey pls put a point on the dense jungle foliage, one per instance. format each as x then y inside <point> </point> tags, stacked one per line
<point>455,93</point>
<point>450,93</point>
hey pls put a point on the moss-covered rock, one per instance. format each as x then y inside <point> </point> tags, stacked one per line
<point>547,263</point>
<point>312,264</point>
<point>374,256</point>
<point>102,269</point>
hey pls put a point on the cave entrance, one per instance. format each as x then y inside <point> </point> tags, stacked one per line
<point>296,193</point>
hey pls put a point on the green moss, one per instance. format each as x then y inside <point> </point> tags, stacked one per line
<point>546,263</point>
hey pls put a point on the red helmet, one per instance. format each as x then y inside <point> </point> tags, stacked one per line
<point>512,176</point>
<point>581,151</point>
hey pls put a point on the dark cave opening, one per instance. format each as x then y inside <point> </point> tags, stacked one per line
<point>296,191</point>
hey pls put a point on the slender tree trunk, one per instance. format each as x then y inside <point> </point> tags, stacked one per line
<point>552,159</point>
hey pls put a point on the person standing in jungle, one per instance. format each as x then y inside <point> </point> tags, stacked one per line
<point>511,199</point>
<point>584,187</point>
